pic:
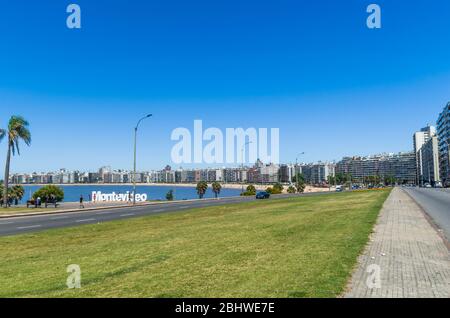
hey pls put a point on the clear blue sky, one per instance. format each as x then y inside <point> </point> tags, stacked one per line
<point>311,68</point>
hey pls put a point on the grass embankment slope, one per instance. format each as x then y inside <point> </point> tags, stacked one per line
<point>297,247</point>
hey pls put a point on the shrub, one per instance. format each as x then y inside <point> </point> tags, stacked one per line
<point>278,188</point>
<point>291,189</point>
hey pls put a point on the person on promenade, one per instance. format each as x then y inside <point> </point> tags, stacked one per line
<point>81,202</point>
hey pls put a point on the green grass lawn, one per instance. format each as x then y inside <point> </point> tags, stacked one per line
<point>297,247</point>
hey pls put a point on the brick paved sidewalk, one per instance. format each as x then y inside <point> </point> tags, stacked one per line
<point>413,260</point>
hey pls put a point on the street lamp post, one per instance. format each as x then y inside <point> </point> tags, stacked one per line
<point>242,163</point>
<point>134,165</point>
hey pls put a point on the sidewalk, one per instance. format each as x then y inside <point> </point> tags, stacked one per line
<point>413,260</point>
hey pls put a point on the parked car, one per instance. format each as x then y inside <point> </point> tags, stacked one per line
<point>339,188</point>
<point>263,195</point>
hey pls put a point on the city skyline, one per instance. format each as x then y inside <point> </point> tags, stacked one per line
<point>347,100</point>
<point>400,167</point>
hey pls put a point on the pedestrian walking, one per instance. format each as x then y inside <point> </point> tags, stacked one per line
<point>81,202</point>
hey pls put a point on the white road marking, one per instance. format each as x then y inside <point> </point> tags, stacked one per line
<point>28,227</point>
<point>85,220</point>
<point>128,214</point>
<point>101,213</point>
<point>59,217</point>
<point>159,210</point>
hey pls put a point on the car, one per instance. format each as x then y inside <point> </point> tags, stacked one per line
<point>263,195</point>
<point>339,188</point>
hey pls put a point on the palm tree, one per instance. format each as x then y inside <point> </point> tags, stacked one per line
<point>17,130</point>
<point>202,186</point>
<point>216,187</point>
<point>17,193</point>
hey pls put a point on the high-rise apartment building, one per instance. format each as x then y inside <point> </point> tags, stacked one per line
<point>401,167</point>
<point>430,162</point>
<point>420,138</point>
<point>318,173</point>
<point>443,132</point>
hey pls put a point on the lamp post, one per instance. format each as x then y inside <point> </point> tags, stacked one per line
<point>134,165</point>
<point>242,163</point>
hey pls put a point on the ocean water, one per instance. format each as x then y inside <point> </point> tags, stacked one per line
<point>72,193</point>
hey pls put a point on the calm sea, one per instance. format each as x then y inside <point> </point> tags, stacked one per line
<point>72,193</point>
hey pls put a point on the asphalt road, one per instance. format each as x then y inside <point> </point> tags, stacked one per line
<point>27,224</point>
<point>436,202</point>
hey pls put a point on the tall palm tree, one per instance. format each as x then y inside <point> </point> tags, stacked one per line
<point>17,193</point>
<point>17,130</point>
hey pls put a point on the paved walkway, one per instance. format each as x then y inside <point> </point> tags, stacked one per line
<point>407,253</point>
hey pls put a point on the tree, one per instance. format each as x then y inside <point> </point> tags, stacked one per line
<point>1,191</point>
<point>16,193</point>
<point>17,130</point>
<point>291,189</point>
<point>277,188</point>
<point>49,193</point>
<point>390,180</point>
<point>338,178</point>
<point>251,190</point>
<point>331,180</point>
<point>2,134</point>
<point>202,186</point>
<point>170,196</point>
<point>300,184</point>
<point>216,187</point>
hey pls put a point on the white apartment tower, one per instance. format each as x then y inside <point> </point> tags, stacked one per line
<point>420,139</point>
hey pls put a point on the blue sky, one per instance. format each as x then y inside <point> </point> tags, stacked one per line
<point>311,68</point>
